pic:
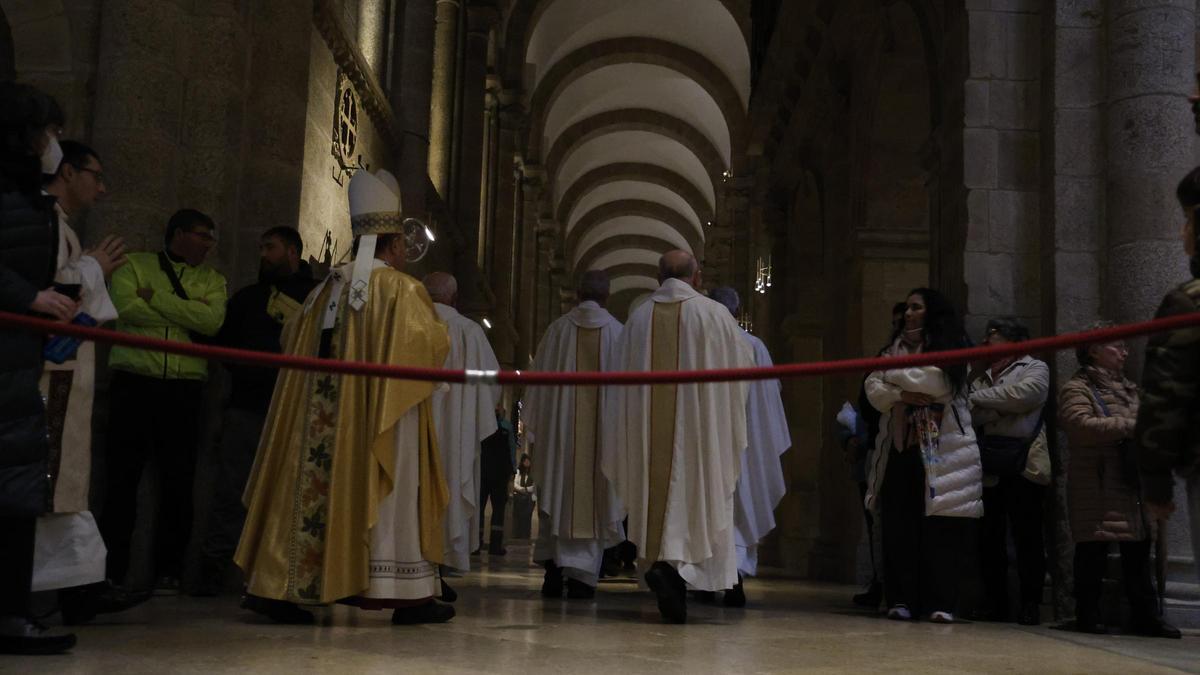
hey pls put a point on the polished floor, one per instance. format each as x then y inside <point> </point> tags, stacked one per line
<point>505,626</point>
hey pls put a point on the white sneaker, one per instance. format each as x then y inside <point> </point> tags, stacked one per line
<point>899,613</point>
<point>941,617</point>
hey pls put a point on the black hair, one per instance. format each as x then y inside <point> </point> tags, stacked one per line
<point>288,235</point>
<point>26,113</point>
<point>76,154</point>
<point>899,308</point>
<point>1188,190</point>
<point>944,331</point>
<point>186,220</point>
<point>1009,327</point>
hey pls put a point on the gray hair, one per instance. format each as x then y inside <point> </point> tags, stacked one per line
<point>442,287</point>
<point>728,297</point>
<point>593,285</point>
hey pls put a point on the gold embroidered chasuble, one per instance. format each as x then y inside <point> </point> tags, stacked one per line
<point>326,458</point>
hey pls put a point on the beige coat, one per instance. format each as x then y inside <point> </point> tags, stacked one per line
<point>1101,506</point>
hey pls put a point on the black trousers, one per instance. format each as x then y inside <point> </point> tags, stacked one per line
<point>16,565</point>
<point>497,492</point>
<point>151,420</point>
<point>1091,559</point>
<point>1014,503</point>
<point>240,432</point>
<point>922,555</point>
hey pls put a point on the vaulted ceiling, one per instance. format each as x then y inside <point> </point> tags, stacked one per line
<point>636,112</point>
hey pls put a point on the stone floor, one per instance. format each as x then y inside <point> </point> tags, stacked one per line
<point>504,626</point>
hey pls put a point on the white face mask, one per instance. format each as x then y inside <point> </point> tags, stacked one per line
<point>52,155</point>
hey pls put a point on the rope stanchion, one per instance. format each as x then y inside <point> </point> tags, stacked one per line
<point>9,321</point>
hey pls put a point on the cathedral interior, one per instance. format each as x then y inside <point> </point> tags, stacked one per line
<point>822,157</point>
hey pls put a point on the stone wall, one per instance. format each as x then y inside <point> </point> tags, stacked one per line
<point>1002,162</point>
<point>324,206</point>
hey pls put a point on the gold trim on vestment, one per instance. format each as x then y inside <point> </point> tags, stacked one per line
<point>664,355</point>
<point>587,419</point>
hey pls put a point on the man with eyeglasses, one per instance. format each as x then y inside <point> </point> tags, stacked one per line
<point>156,398</point>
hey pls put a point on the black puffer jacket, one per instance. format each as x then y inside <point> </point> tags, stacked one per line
<point>28,238</point>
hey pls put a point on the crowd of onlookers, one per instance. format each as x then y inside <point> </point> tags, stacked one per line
<point>952,461</point>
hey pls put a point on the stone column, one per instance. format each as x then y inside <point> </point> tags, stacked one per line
<point>506,228</point>
<point>441,105</point>
<point>139,116</point>
<point>487,179</point>
<point>532,188</point>
<point>411,94</point>
<point>469,163</point>
<point>1151,63</point>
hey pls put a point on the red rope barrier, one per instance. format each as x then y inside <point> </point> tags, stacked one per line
<point>848,366</point>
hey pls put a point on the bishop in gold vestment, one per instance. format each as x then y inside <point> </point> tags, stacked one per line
<point>346,498</point>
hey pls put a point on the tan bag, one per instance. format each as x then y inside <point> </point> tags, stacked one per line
<point>1037,465</point>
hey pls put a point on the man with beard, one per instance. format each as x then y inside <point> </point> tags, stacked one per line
<point>253,320</point>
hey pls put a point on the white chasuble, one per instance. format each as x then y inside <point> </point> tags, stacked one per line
<point>580,515</point>
<point>677,450</point>
<point>463,415</point>
<point>760,485</point>
<point>69,550</point>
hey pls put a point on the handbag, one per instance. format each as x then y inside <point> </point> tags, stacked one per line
<point>1126,457</point>
<point>1005,456</point>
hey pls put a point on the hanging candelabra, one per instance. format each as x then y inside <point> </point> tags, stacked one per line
<point>762,280</point>
<point>745,321</point>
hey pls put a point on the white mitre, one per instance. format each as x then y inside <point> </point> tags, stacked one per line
<point>374,209</point>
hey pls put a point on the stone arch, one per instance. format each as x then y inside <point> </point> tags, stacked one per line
<point>637,120</point>
<point>619,303</point>
<point>635,50</point>
<point>629,281</point>
<point>620,242</point>
<point>524,14</point>
<point>631,269</point>
<point>633,207</point>
<point>633,171</point>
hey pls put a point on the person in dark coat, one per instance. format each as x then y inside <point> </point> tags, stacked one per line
<point>495,473</point>
<point>30,122</point>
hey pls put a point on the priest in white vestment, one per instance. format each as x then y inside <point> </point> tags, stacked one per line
<point>463,415</point>
<point>579,514</point>
<point>346,497</point>
<point>760,485</point>
<point>677,453</point>
<point>69,554</point>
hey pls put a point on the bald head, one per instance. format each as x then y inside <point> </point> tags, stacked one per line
<point>728,297</point>
<point>442,287</point>
<point>679,264</point>
<point>593,285</point>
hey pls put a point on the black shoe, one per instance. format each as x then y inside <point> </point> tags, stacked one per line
<point>577,590</point>
<point>448,594</point>
<point>19,635</point>
<point>82,603</point>
<point>671,591</point>
<point>1155,627</point>
<point>279,611</point>
<point>552,583</point>
<point>871,596</point>
<point>1030,615</point>
<point>430,612</point>
<point>736,596</point>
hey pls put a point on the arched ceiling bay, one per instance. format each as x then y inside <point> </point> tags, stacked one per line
<point>630,225</point>
<point>629,85</point>
<point>633,146</point>
<point>629,189</point>
<point>637,108</point>
<point>704,26</point>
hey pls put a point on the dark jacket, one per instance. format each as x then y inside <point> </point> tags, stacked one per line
<point>28,239</point>
<point>1168,424</point>
<point>249,325</point>
<point>1101,505</point>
